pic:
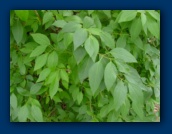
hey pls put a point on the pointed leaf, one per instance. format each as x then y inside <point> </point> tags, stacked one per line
<point>95,76</point>
<point>110,75</point>
<point>41,39</point>
<point>127,15</point>
<point>59,23</point>
<point>79,97</point>
<point>79,54</point>
<point>13,101</point>
<point>52,60</point>
<point>71,27</point>
<point>44,73</point>
<point>35,88</point>
<point>79,37</point>
<point>107,39</point>
<point>38,50</point>
<point>135,28</point>
<point>40,61</point>
<point>36,113</point>
<point>143,19</point>
<point>48,16</point>
<point>22,14</point>
<point>23,114</point>
<point>54,87</point>
<point>122,54</point>
<point>88,22</point>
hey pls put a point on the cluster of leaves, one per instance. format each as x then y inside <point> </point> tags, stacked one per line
<point>84,65</point>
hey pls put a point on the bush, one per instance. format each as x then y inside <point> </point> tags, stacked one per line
<point>84,65</point>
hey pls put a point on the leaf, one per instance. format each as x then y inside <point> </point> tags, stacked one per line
<point>110,75</point>
<point>44,73</point>
<point>54,87</point>
<point>95,76</point>
<point>23,114</point>
<point>143,19</point>
<point>48,16</point>
<point>71,27</point>
<point>95,31</point>
<point>17,31</point>
<point>153,27</point>
<point>59,23</point>
<point>154,14</point>
<point>40,61</point>
<point>79,37</point>
<point>121,42</point>
<point>79,97</point>
<point>22,14</point>
<point>38,50</point>
<point>138,109</point>
<point>68,39</point>
<point>92,47</point>
<point>64,75</point>
<point>122,54</point>
<point>79,54</point>
<point>13,101</point>
<point>52,60</point>
<point>119,95</point>
<point>41,39</point>
<point>135,28</point>
<point>88,22</point>
<point>35,88</point>
<point>84,67</point>
<point>127,15</point>
<point>36,113</point>
<point>107,39</point>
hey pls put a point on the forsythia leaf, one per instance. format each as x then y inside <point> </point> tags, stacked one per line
<point>110,75</point>
<point>40,61</point>
<point>41,39</point>
<point>122,54</point>
<point>95,76</point>
<point>79,37</point>
<point>120,94</point>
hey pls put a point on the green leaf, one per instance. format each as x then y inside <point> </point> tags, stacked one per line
<point>143,19</point>
<point>64,75</point>
<point>54,86</point>
<point>41,39</point>
<point>121,42</point>
<point>153,27</point>
<point>23,114</point>
<point>127,15</point>
<point>79,97</point>
<point>59,23</point>
<point>79,54</point>
<point>135,28</point>
<point>95,31</point>
<point>43,75</point>
<point>68,38</point>
<point>13,101</point>
<point>120,94</point>
<point>122,54</point>
<point>36,113</point>
<point>40,61</point>
<point>52,60</point>
<point>79,37</point>
<point>88,22</point>
<point>22,14</point>
<point>154,14</point>
<point>110,75</point>
<point>35,88</point>
<point>107,39</point>
<point>17,31</point>
<point>92,47</point>
<point>71,27</point>
<point>96,76</point>
<point>48,16</point>
<point>84,67</point>
<point>38,50</point>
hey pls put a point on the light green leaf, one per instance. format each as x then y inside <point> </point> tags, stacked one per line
<point>135,28</point>
<point>94,31</point>
<point>64,75</point>
<point>122,54</point>
<point>23,114</point>
<point>84,67</point>
<point>40,61</point>
<point>79,97</point>
<point>79,37</point>
<point>143,19</point>
<point>74,90</point>
<point>73,18</point>
<point>92,47</point>
<point>54,87</point>
<point>35,88</point>
<point>71,27</point>
<point>107,39</point>
<point>21,66</point>
<point>52,60</point>
<point>88,22</point>
<point>110,75</point>
<point>41,39</point>
<point>17,31</point>
<point>120,94</point>
<point>79,54</point>
<point>154,14</point>
<point>38,50</point>
<point>13,101</point>
<point>48,16</point>
<point>44,73</point>
<point>127,15</point>
<point>96,76</point>
<point>68,38</point>
<point>22,14</point>
<point>121,42</point>
<point>153,27</point>
<point>138,109</point>
<point>59,23</point>
<point>36,113</point>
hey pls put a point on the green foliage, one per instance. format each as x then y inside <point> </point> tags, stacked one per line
<point>84,66</point>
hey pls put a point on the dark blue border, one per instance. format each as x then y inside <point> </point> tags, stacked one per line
<point>166,67</point>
